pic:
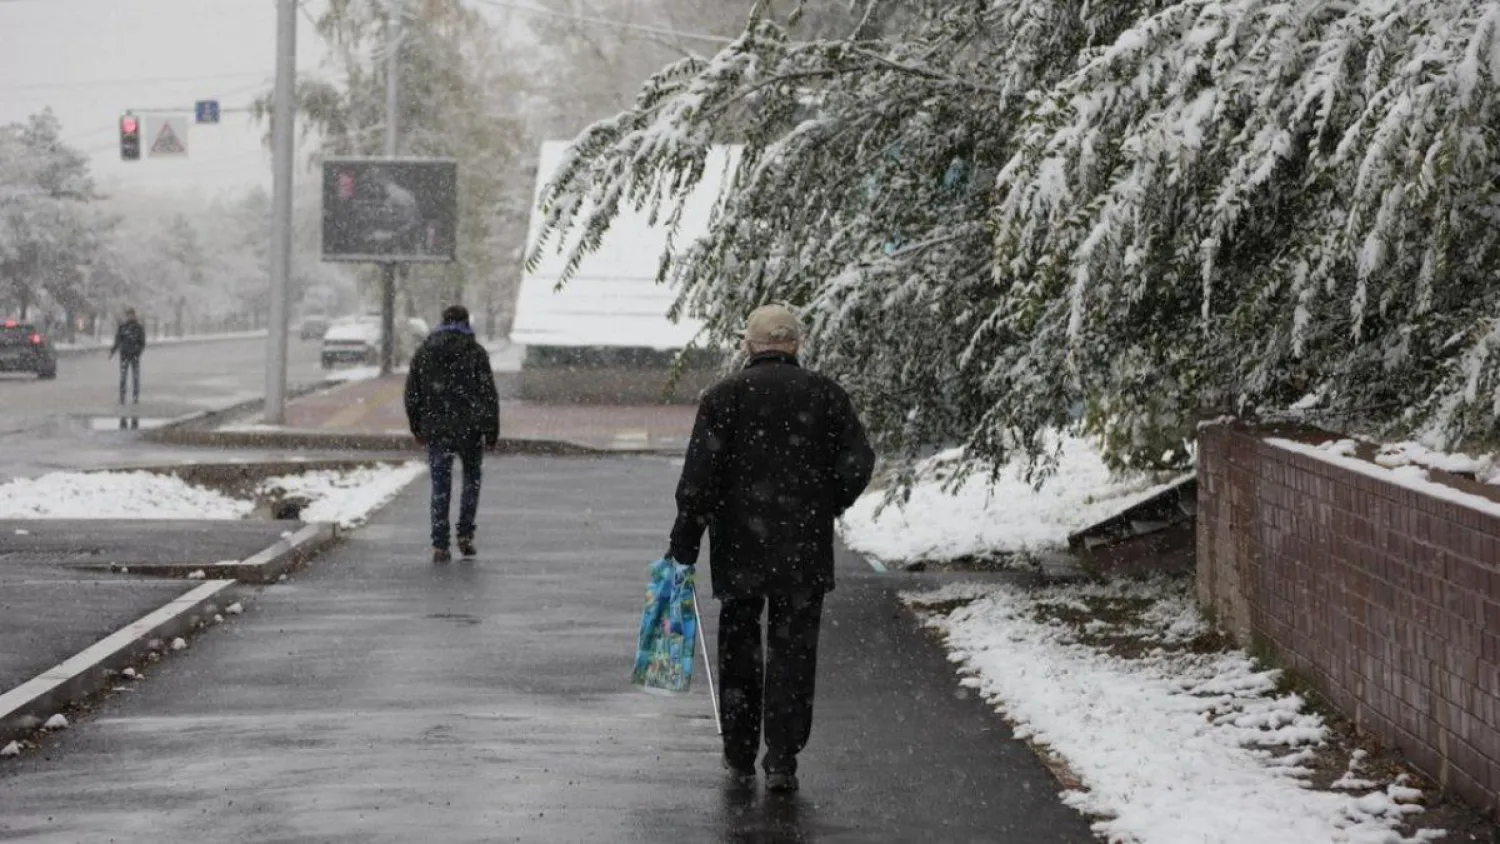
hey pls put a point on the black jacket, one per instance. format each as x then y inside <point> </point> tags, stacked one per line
<point>450,390</point>
<point>777,454</point>
<point>130,340</point>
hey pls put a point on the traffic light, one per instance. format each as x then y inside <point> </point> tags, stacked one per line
<point>130,138</point>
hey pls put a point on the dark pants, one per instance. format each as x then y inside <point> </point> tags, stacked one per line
<point>775,690</point>
<point>440,463</point>
<point>130,367</point>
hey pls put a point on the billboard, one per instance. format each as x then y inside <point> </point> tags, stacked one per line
<point>390,210</point>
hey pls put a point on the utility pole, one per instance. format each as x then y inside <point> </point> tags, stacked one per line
<point>282,149</point>
<point>388,270</point>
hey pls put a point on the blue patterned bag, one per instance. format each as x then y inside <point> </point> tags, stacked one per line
<point>669,627</point>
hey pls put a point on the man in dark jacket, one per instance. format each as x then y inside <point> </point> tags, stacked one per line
<point>130,341</point>
<point>454,409</point>
<point>777,454</point>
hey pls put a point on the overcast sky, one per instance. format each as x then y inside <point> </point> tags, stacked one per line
<point>90,60</point>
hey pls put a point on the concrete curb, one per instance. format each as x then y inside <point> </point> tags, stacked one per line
<point>308,440</point>
<point>178,431</point>
<point>263,567</point>
<point>24,708</point>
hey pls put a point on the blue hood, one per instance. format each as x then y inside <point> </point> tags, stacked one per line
<point>454,328</point>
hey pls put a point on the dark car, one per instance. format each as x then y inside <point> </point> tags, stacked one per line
<point>24,349</point>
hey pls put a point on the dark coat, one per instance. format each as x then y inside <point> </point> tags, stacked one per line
<point>777,454</point>
<point>130,340</point>
<point>450,390</point>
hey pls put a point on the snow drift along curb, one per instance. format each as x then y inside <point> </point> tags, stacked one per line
<point>23,708</point>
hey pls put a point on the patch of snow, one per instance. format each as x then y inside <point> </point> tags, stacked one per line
<point>12,749</point>
<point>130,672</point>
<point>235,608</point>
<point>56,722</point>
<point>22,532</point>
<point>1411,477</point>
<point>1170,747</point>
<point>346,498</point>
<point>114,495</point>
<point>179,644</point>
<point>197,575</point>
<point>218,619</point>
<point>981,516</point>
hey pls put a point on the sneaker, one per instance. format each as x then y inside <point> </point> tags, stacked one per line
<point>442,555</point>
<point>466,546</point>
<point>784,783</point>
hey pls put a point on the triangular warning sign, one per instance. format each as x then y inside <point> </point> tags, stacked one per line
<point>167,142</point>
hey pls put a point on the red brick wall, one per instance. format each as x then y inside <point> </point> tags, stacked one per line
<point>1387,599</point>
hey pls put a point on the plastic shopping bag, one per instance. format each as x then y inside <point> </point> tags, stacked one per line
<point>664,650</point>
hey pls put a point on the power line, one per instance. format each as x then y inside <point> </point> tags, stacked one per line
<point>610,22</point>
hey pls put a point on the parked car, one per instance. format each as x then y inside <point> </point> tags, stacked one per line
<point>23,348</point>
<point>356,341</point>
<point>314,327</point>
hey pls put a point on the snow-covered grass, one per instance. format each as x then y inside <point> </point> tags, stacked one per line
<point>984,517</point>
<point>114,495</point>
<point>346,498</point>
<point>1170,745</point>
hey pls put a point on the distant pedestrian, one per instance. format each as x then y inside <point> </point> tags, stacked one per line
<point>454,409</point>
<point>777,454</point>
<point>130,342</point>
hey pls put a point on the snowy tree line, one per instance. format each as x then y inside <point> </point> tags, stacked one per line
<point>1006,218</point>
<point>73,259</point>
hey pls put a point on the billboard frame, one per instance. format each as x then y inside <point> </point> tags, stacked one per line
<point>358,258</point>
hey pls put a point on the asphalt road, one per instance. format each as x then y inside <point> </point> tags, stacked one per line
<point>74,421</point>
<point>377,697</point>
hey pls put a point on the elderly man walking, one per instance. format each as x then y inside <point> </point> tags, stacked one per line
<point>777,454</point>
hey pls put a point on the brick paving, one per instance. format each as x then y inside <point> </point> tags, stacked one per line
<point>376,407</point>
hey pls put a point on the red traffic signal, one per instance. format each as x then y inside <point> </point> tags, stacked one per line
<point>130,138</point>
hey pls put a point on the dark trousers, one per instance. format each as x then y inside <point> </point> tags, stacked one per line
<point>130,370</point>
<point>440,463</point>
<point>774,689</point>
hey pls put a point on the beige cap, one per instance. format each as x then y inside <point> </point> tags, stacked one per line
<point>773,325</point>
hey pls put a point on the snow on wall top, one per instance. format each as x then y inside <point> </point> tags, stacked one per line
<point>613,299</point>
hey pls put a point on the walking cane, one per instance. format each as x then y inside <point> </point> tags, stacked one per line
<point>707,670</point>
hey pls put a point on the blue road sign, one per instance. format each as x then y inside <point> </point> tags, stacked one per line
<point>207,111</point>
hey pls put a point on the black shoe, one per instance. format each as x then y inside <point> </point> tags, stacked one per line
<point>442,555</point>
<point>782,783</point>
<point>740,776</point>
<point>466,546</point>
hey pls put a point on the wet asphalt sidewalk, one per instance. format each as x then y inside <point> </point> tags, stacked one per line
<point>377,697</point>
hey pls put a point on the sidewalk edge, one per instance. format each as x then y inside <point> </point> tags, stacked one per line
<point>298,439</point>
<point>264,566</point>
<point>179,431</point>
<point>71,351</point>
<point>89,671</point>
